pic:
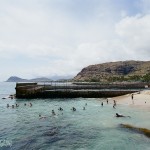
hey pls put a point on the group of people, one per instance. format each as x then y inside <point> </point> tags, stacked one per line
<point>73,108</point>
<point>107,103</point>
<point>60,109</point>
<point>114,106</point>
<point>17,105</point>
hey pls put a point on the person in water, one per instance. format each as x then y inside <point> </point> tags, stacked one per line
<point>132,98</point>
<point>107,101</point>
<point>114,106</point>
<point>60,109</point>
<point>41,117</point>
<point>118,115</point>
<point>30,104</point>
<point>7,105</point>
<point>115,103</point>
<point>83,108</point>
<point>102,104</point>
<point>17,105</point>
<point>73,108</point>
<point>53,112</point>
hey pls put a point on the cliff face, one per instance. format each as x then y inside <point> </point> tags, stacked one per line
<point>107,71</point>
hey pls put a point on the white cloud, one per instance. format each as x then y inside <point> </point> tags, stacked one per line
<point>135,32</point>
<point>44,38</point>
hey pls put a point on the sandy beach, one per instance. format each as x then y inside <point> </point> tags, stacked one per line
<point>140,99</point>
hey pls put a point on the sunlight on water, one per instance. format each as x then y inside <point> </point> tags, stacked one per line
<point>94,128</point>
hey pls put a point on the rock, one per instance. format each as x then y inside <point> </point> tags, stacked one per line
<point>144,131</point>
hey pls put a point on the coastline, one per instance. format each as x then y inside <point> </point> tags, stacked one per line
<point>140,99</point>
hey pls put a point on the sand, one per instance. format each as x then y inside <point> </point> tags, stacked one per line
<point>140,99</point>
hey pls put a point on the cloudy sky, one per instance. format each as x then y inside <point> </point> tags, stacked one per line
<point>60,37</point>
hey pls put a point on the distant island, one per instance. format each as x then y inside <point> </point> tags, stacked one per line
<point>130,71</point>
<point>18,79</point>
<point>42,79</point>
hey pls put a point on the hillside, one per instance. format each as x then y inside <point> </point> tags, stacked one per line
<point>115,71</point>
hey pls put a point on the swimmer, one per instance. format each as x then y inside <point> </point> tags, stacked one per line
<point>73,108</point>
<point>30,104</point>
<point>60,109</point>
<point>7,105</point>
<point>102,104</point>
<point>25,104</point>
<point>41,117</point>
<point>118,115</point>
<point>17,105</point>
<point>85,104</point>
<point>53,112</point>
<point>83,108</point>
<point>13,106</point>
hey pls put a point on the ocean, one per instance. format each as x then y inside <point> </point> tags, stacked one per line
<point>95,128</point>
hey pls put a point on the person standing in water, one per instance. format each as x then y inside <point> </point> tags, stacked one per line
<point>107,101</point>
<point>114,106</point>
<point>114,103</point>
<point>132,98</point>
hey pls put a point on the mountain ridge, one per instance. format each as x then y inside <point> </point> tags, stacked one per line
<point>109,71</point>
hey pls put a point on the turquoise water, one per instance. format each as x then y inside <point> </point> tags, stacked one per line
<point>95,128</point>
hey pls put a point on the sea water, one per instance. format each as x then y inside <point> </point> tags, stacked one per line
<point>95,128</point>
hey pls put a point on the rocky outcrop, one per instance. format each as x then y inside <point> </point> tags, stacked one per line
<point>107,71</point>
<point>144,131</point>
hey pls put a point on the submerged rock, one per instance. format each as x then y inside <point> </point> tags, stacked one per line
<point>144,131</point>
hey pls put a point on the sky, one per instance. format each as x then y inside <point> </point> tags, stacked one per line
<point>46,38</point>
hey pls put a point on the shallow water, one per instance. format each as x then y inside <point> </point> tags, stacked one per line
<point>95,128</point>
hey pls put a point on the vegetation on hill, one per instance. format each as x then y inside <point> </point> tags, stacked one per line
<point>130,71</point>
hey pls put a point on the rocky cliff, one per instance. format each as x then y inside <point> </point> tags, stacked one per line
<point>113,71</point>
